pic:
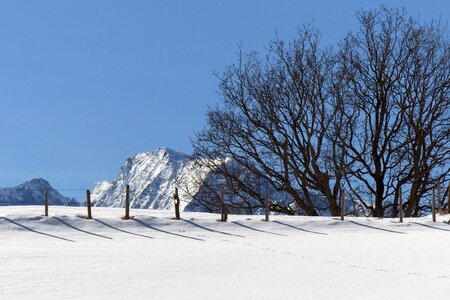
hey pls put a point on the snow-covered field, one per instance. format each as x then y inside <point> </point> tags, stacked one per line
<point>154,257</point>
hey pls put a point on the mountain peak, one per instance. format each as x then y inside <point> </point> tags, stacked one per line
<point>32,193</point>
<point>165,151</point>
<point>152,177</point>
<point>38,181</point>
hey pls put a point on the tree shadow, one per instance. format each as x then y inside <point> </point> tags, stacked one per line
<point>211,230</point>
<point>298,228</point>
<point>377,228</point>
<point>167,232</point>
<point>81,230</point>
<point>432,227</point>
<point>122,230</point>
<point>36,231</point>
<point>255,229</point>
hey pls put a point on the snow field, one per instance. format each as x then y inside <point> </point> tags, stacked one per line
<point>64,256</point>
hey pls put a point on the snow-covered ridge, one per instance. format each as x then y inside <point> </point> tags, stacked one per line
<point>152,177</point>
<point>32,193</point>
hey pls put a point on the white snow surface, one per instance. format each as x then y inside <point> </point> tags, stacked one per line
<point>153,256</point>
<point>152,177</point>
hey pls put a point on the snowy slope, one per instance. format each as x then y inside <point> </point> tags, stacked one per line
<point>152,177</point>
<point>32,193</point>
<point>155,257</point>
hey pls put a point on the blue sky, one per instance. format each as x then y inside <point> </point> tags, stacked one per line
<point>86,84</point>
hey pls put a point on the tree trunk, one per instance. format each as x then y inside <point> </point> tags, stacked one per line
<point>378,210</point>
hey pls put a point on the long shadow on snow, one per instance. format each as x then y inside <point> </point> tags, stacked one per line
<point>167,232</point>
<point>81,230</point>
<point>122,230</point>
<point>38,232</point>
<point>211,230</point>
<point>298,228</point>
<point>377,228</point>
<point>255,229</point>
<point>432,227</point>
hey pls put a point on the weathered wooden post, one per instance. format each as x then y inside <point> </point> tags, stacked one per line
<point>225,212</point>
<point>176,200</point>
<point>221,206</point>
<point>342,204</point>
<point>266,207</point>
<point>88,204</point>
<point>438,186</point>
<point>448,198</point>
<point>400,204</point>
<point>223,209</point>
<point>127,203</point>
<point>46,202</point>
<point>433,206</point>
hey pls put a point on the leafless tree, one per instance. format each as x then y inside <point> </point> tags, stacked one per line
<point>397,71</point>
<point>303,122</point>
<point>427,114</point>
<point>279,123</point>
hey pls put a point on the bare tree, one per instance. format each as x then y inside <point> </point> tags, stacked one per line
<point>306,121</point>
<point>397,70</point>
<point>275,125</point>
<point>427,114</point>
<point>206,188</point>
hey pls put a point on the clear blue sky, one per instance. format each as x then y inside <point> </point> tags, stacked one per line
<point>86,84</point>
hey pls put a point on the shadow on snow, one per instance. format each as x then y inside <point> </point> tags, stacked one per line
<point>36,231</point>
<point>211,230</point>
<point>298,228</point>
<point>122,230</point>
<point>81,230</point>
<point>167,232</point>
<point>432,227</point>
<point>254,229</point>
<point>377,228</point>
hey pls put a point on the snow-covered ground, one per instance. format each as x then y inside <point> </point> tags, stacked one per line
<point>154,257</point>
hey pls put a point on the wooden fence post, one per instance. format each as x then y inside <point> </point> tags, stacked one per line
<point>433,206</point>
<point>46,202</point>
<point>439,197</point>
<point>342,204</point>
<point>221,206</point>
<point>225,212</point>
<point>448,198</point>
<point>176,200</point>
<point>266,207</point>
<point>223,209</point>
<point>400,204</point>
<point>127,203</point>
<point>88,204</point>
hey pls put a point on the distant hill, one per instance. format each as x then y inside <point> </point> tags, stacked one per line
<point>32,193</point>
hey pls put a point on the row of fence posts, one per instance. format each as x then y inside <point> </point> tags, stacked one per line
<point>224,209</point>
<point>400,202</point>
<point>434,190</point>
<point>440,201</point>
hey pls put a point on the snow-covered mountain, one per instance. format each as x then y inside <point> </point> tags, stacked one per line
<point>152,177</point>
<point>32,193</point>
